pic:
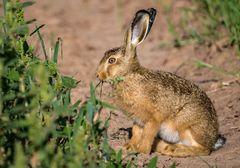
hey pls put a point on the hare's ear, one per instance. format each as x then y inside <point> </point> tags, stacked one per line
<point>140,27</point>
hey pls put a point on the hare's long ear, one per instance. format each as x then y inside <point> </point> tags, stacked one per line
<point>140,28</point>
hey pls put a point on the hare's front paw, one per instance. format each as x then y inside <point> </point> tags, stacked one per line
<point>144,148</point>
<point>129,147</point>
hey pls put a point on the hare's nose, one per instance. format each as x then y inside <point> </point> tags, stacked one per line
<point>101,75</point>
<point>97,74</point>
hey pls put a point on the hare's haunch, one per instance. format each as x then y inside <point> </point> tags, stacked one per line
<point>174,117</point>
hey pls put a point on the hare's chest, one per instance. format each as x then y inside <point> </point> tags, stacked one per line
<point>130,99</point>
<point>127,96</point>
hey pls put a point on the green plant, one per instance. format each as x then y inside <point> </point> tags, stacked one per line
<point>200,64</point>
<point>39,126</point>
<point>211,15</point>
<point>183,32</point>
<point>227,13</point>
<point>173,165</point>
<point>153,162</point>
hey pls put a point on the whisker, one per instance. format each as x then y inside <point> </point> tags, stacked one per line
<point>98,83</point>
<point>101,89</point>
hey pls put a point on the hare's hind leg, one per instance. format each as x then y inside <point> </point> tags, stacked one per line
<point>180,150</point>
<point>186,147</point>
<point>132,145</point>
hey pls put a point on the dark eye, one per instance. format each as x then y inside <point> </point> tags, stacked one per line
<point>111,60</point>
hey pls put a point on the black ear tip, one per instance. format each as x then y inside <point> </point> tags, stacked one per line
<point>152,11</point>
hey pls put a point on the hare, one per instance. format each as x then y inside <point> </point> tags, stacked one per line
<point>171,115</point>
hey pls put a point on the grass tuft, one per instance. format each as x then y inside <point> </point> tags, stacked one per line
<point>227,13</point>
<point>201,64</point>
<point>214,16</point>
<point>40,126</point>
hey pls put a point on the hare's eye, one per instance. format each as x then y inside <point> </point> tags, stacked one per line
<point>111,60</point>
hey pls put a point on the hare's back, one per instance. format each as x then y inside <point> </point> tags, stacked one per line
<point>172,90</point>
<point>171,83</point>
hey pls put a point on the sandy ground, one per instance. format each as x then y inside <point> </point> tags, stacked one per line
<point>90,27</point>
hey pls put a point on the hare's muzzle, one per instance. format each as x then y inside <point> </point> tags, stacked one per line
<point>101,75</point>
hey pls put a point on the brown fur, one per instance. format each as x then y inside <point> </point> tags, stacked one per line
<point>172,115</point>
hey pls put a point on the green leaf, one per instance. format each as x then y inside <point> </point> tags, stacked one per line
<point>24,4</point>
<point>111,165</point>
<point>13,75</point>
<point>67,98</point>
<point>118,79</point>
<point>68,82</point>
<point>18,124</point>
<point>119,157</point>
<point>59,108</point>
<point>19,160</point>
<point>20,30</point>
<point>153,162</point>
<point>9,96</point>
<point>27,4</point>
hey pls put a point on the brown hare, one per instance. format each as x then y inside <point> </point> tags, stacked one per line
<point>172,115</point>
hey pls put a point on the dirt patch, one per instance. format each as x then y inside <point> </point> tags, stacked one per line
<point>89,28</point>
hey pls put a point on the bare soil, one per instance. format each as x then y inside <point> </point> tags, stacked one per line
<point>90,27</point>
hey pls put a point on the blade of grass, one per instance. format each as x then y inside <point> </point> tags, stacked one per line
<point>5,7</point>
<point>92,92</point>
<point>42,43</point>
<point>39,27</point>
<point>105,134</point>
<point>56,49</point>
<point>1,73</point>
<point>90,112</point>
<point>30,21</point>
<point>201,64</point>
<point>106,105</point>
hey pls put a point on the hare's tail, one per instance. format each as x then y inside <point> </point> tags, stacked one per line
<point>220,142</point>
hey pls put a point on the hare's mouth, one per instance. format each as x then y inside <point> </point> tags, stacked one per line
<point>100,83</point>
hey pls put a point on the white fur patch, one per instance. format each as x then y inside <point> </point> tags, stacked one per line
<point>220,142</point>
<point>168,134</point>
<point>186,142</point>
